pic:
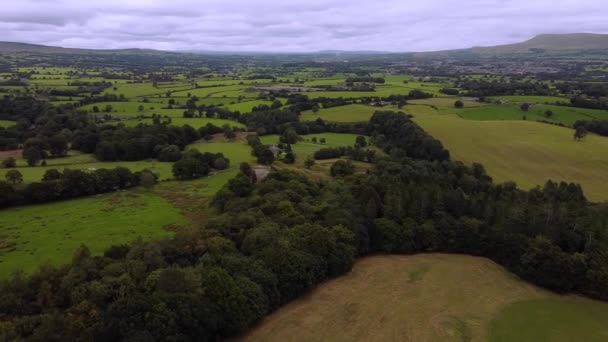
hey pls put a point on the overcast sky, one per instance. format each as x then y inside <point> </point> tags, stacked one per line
<point>294,25</point>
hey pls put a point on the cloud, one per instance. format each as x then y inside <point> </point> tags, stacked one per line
<point>294,25</point>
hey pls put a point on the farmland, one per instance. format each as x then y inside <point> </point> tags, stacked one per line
<point>405,298</point>
<point>349,113</point>
<point>285,248</point>
<point>528,153</point>
<point>33,235</point>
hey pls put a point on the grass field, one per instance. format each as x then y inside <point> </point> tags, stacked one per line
<point>128,109</point>
<point>528,153</point>
<point>551,319</point>
<point>34,174</point>
<point>535,99</point>
<point>34,234</point>
<point>405,298</point>
<point>7,123</point>
<point>194,122</point>
<point>245,107</point>
<point>563,114</point>
<point>348,113</point>
<point>237,151</point>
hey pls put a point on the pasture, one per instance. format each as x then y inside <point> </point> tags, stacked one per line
<point>405,298</point>
<point>528,153</point>
<point>35,173</point>
<point>194,122</point>
<point>35,234</point>
<point>533,99</point>
<point>563,114</point>
<point>348,113</point>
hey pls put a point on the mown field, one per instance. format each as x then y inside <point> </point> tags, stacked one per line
<point>563,114</point>
<point>528,153</point>
<point>348,113</point>
<point>405,298</point>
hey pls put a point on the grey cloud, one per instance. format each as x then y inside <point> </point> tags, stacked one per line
<point>296,25</point>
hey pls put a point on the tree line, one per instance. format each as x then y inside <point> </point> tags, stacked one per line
<point>56,185</point>
<point>273,241</point>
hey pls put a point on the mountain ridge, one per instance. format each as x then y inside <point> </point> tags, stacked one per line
<point>539,43</point>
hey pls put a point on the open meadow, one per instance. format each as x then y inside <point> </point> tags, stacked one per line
<point>406,298</point>
<point>528,153</point>
<point>348,113</point>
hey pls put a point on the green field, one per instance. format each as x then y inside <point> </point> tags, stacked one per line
<point>528,153</point>
<point>194,122</point>
<point>535,99</point>
<point>552,319</point>
<point>348,113</point>
<point>34,174</point>
<point>132,109</point>
<point>245,107</point>
<point>563,114</point>
<point>32,235</point>
<point>237,151</point>
<point>430,297</point>
<point>7,123</point>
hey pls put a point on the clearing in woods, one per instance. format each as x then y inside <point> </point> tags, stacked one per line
<point>404,298</point>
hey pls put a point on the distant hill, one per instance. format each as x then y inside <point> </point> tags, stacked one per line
<point>542,44</point>
<point>552,42</point>
<point>12,47</point>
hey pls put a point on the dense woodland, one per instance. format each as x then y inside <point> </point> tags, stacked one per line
<point>273,241</point>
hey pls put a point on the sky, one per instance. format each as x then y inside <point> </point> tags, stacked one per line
<point>294,25</point>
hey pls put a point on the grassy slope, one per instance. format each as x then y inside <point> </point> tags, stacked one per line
<point>565,115</point>
<point>405,298</point>
<point>51,232</point>
<point>526,152</point>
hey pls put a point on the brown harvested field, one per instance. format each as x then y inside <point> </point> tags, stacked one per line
<point>426,297</point>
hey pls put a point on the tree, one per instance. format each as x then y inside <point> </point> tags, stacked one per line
<point>322,140</point>
<point>290,157</point>
<point>289,136</point>
<point>309,162</point>
<point>169,153</point>
<point>220,164</point>
<point>51,175</point>
<point>458,104</point>
<point>548,113</point>
<point>9,162</point>
<point>189,168</point>
<point>58,145</point>
<point>32,155</point>
<point>147,179</point>
<point>342,168</point>
<point>360,141</point>
<point>580,133</point>
<point>14,177</point>
<point>525,106</point>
